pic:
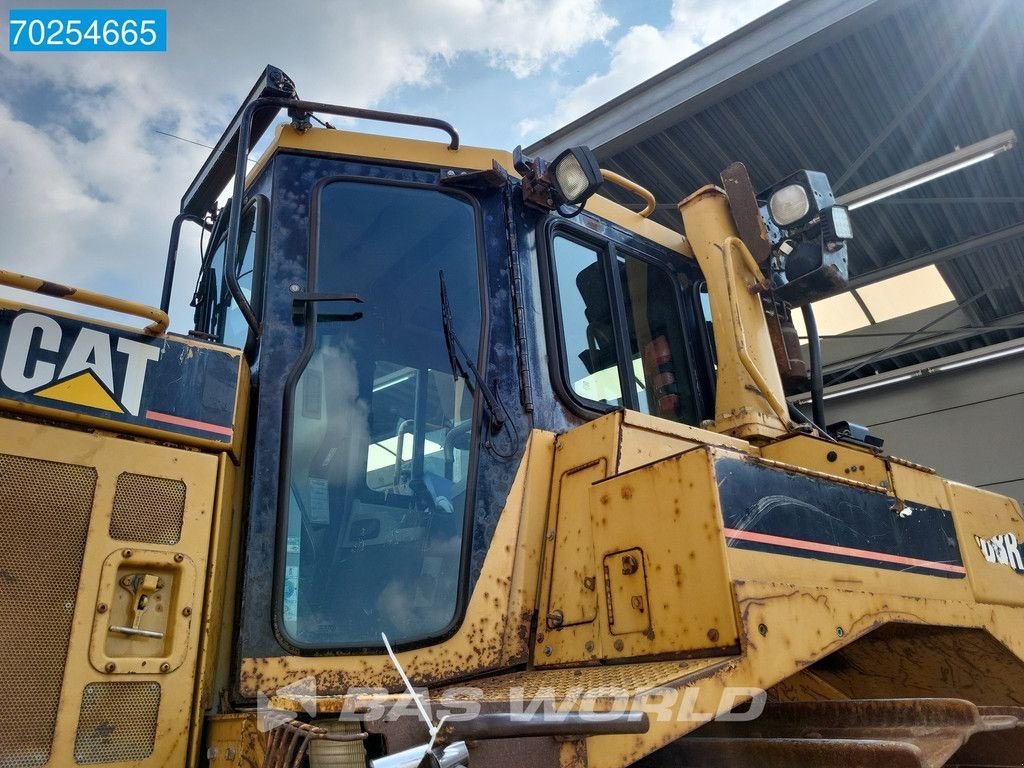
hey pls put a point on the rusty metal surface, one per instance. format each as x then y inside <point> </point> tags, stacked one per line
<point>994,749</point>
<point>922,733</point>
<point>505,726</point>
<point>745,212</point>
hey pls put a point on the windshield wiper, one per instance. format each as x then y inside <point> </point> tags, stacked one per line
<point>455,350</point>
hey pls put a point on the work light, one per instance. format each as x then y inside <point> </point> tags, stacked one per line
<point>576,175</point>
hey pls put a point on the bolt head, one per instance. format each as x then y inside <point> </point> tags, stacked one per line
<point>110,667</point>
<point>165,667</point>
<point>186,611</point>
<point>126,553</point>
<point>548,650</point>
<point>101,608</point>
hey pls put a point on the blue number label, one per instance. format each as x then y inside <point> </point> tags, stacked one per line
<point>87,30</point>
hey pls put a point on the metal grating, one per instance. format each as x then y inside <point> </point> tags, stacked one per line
<point>44,520</point>
<point>117,722</point>
<point>147,509</point>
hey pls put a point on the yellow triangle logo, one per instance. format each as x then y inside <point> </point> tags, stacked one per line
<point>83,389</point>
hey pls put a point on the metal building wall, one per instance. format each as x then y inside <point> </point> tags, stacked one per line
<point>967,424</point>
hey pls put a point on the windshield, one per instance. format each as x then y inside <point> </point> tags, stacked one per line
<point>381,430</point>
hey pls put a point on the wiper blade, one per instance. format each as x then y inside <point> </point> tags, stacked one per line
<point>456,350</point>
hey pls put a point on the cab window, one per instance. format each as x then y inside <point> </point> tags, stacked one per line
<point>621,330</point>
<point>378,457</point>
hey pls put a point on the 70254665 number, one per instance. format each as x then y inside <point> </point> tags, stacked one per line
<point>87,30</point>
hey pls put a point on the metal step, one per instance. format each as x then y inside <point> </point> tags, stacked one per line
<point>865,733</point>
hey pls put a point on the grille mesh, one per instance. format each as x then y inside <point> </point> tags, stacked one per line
<point>147,509</point>
<point>117,722</point>
<point>44,519</point>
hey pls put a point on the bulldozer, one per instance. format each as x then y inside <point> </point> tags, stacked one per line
<point>464,464</point>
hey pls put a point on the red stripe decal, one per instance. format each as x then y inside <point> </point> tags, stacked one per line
<point>191,423</point>
<point>813,546</point>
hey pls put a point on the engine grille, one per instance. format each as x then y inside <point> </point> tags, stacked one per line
<point>44,519</point>
<point>117,722</point>
<point>147,509</point>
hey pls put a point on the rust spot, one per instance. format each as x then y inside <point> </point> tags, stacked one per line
<point>605,498</point>
<point>627,492</point>
<point>54,289</point>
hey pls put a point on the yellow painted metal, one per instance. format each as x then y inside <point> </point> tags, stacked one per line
<point>636,189</point>
<point>749,400</point>
<point>125,658</point>
<point>234,741</point>
<point>571,590</point>
<point>840,460</point>
<point>983,522</point>
<point>437,155</point>
<point>56,413</point>
<point>158,318</point>
<point>665,575</point>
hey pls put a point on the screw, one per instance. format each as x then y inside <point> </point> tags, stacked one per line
<point>763,629</point>
<point>165,667</point>
<point>101,608</point>
<point>294,288</point>
<point>548,650</point>
<point>713,635</point>
<point>110,667</point>
<point>619,645</point>
<point>186,611</point>
<point>179,558</point>
<point>555,619</point>
<point>126,553</point>
<point>839,632</point>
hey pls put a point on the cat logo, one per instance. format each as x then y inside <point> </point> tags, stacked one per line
<point>1002,549</point>
<point>34,364</point>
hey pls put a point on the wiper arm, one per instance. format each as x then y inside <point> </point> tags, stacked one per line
<point>455,350</point>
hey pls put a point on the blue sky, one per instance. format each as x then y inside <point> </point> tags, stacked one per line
<point>88,188</point>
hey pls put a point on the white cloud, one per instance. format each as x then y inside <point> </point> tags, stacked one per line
<point>89,189</point>
<point>644,51</point>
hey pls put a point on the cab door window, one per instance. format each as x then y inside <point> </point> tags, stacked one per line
<point>378,454</point>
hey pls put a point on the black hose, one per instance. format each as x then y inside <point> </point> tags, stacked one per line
<point>817,379</point>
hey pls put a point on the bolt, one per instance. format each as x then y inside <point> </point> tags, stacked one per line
<point>649,634</point>
<point>211,753</point>
<point>294,288</point>
<point>165,667</point>
<point>832,456</point>
<point>548,650</point>
<point>110,667</point>
<point>555,619</point>
<point>126,553</point>
<point>589,646</point>
<point>629,565</point>
<point>713,635</point>
<point>551,536</point>
<point>619,645</point>
<point>230,753</point>
<point>763,629</point>
<point>101,608</point>
<point>186,611</point>
<point>839,632</point>
<point>449,173</point>
<point>590,583</point>
<point>179,558</point>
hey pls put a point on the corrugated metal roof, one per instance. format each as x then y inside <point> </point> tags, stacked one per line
<point>914,82</point>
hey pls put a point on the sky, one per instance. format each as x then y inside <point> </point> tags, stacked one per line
<point>89,182</point>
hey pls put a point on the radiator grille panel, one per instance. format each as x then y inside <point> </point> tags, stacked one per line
<point>117,722</point>
<point>147,509</point>
<point>44,519</point>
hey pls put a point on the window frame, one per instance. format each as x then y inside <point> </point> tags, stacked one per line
<point>209,318</point>
<point>287,642</point>
<point>608,249</point>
